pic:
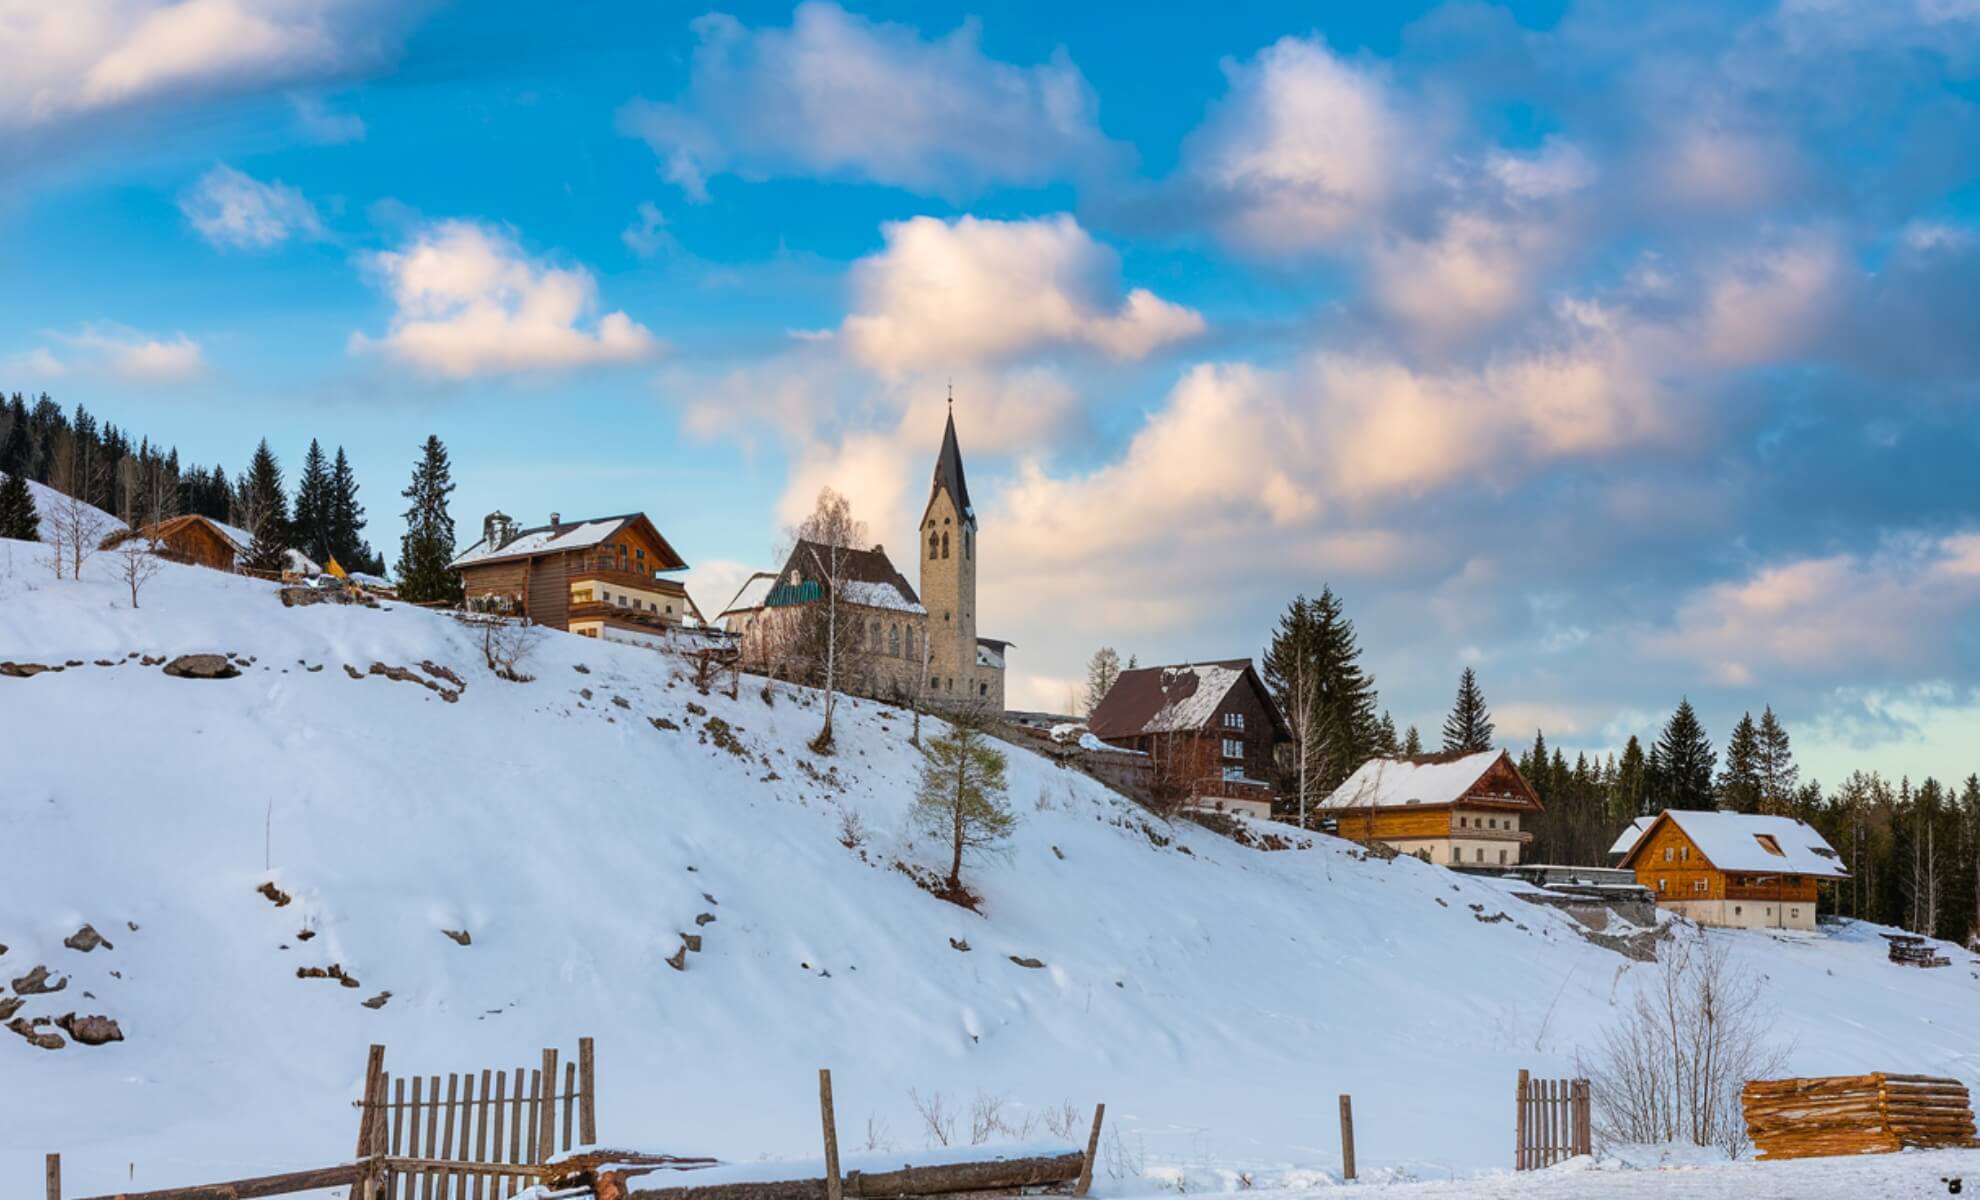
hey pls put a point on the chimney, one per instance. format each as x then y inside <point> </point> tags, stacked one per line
<point>497,530</point>
<point>554,522</point>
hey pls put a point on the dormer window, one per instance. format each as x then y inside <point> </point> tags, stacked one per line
<point>1768,844</point>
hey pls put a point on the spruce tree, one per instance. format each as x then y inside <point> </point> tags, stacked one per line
<point>1313,664</point>
<point>1630,797</point>
<point>1385,736</point>
<point>428,544</point>
<point>18,519</point>
<point>1685,760</point>
<point>347,521</point>
<point>313,507</point>
<point>1469,727</point>
<point>263,510</point>
<point>1412,743</point>
<point>1779,776</point>
<point>1739,775</point>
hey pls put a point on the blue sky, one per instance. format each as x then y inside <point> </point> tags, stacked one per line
<point>1621,351</point>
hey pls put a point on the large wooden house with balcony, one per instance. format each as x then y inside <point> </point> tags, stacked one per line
<point>1210,729</point>
<point>605,577</point>
<point>1461,808</point>
<point>1738,870</point>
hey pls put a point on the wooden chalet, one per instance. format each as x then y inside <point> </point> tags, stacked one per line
<point>1210,728</point>
<point>604,577</point>
<point>200,541</point>
<point>1458,808</point>
<point>1738,870</point>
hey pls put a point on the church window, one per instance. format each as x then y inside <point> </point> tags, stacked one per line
<point>934,683</point>
<point>967,539</point>
<point>983,689</point>
<point>873,636</point>
<point>910,641</point>
<point>934,542</point>
<point>894,640</point>
<point>945,543</point>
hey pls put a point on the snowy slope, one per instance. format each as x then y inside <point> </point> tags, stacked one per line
<point>45,499</point>
<point>1217,998</point>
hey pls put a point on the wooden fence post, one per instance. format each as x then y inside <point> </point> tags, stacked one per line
<point>546,1130</point>
<point>1519,1124</point>
<point>587,1113</point>
<point>374,1069</point>
<point>825,1115</point>
<point>1347,1137</point>
<point>54,1177</point>
<point>1092,1151</point>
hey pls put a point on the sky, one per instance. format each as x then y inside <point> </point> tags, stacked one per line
<point>1624,352</point>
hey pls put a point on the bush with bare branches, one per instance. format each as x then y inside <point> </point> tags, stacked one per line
<point>1671,1067</point>
<point>136,565</point>
<point>506,645</point>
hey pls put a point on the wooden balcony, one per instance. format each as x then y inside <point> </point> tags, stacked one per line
<point>606,572</point>
<point>612,614</point>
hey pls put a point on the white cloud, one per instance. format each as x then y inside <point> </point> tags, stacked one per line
<point>972,290</point>
<point>233,209</point>
<point>839,95</point>
<point>107,348</point>
<point>470,301</point>
<point>647,235</point>
<point>80,56</point>
<point>324,126</point>
<point>1474,269</point>
<point>1306,149</point>
<point>1775,300</point>
<point>1898,609</point>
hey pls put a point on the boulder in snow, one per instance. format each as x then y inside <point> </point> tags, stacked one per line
<point>201,666</point>
<point>35,983</point>
<point>87,939</point>
<point>90,1031</point>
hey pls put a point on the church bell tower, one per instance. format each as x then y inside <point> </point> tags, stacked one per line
<point>948,575</point>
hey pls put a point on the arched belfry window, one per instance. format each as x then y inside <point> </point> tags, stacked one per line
<point>945,543</point>
<point>934,542</point>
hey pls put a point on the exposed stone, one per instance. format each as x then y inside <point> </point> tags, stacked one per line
<point>377,1001</point>
<point>622,702</point>
<point>696,709</point>
<point>201,666</point>
<point>1030,963</point>
<point>662,723</point>
<point>313,670</point>
<point>106,662</point>
<point>580,668</point>
<point>14,670</point>
<point>9,1006</point>
<point>704,918</point>
<point>280,897</point>
<point>678,959</point>
<point>303,935</point>
<point>692,941</point>
<point>439,672</point>
<point>402,675</point>
<point>44,1041</point>
<point>90,1031</point>
<point>460,936</point>
<point>74,662</point>
<point>87,939</point>
<point>35,983</point>
<point>959,944</point>
<point>353,672</point>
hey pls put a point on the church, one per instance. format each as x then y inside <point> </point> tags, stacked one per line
<point>901,644</point>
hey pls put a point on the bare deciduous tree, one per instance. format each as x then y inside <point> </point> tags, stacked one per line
<point>827,640</point>
<point>136,565</point>
<point>506,644</point>
<point>77,533</point>
<point>1671,1067</point>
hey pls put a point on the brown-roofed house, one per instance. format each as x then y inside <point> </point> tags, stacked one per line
<point>193,539</point>
<point>604,577</point>
<point>1211,729</point>
<point>889,626</point>
<point>1459,807</point>
<point>1740,870</point>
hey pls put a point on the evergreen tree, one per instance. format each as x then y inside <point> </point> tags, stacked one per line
<point>263,510</point>
<point>1469,727</point>
<point>1775,766</point>
<point>347,521</point>
<point>1630,797</point>
<point>18,519</point>
<point>17,444</point>
<point>1313,671</point>
<point>1412,742</point>
<point>1739,776</point>
<point>1685,759</point>
<point>314,503</point>
<point>428,544</point>
<point>1386,743</point>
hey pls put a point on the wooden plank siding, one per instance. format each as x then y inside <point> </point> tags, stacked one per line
<point>1671,859</point>
<point>1394,824</point>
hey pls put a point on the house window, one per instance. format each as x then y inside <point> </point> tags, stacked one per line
<point>1736,910</point>
<point>605,596</point>
<point>1684,853</point>
<point>581,596</point>
<point>622,601</point>
<point>1457,854</point>
<point>1462,821</point>
<point>1234,720</point>
<point>1491,822</point>
<point>1480,855</point>
<point>1668,856</point>
<point>1795,913</point>
<point>1502,857</point>
<point>1698,885</point>
<point>1660,887</point>
<point>670,610</point>
<point>1234,774</point>
<point>1233,748</point>
<point>639,556</point>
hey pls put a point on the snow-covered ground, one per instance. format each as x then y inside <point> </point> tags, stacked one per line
<point>1218,998</point>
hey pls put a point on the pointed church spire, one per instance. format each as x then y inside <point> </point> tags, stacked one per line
<point>949,469</point>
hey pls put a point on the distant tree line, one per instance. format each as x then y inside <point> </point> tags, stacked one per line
<point>142,483</point>
<point>1912,850</point>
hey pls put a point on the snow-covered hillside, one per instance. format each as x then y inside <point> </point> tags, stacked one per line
<point>1217,998</point>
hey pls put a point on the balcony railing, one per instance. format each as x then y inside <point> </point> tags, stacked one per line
<point>592,610</point>
<point>608,571</point>
<point>1214,787</point>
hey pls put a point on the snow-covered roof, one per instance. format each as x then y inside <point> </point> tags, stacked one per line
<point>1165,699</point>
<point>990,653</point>
<point>875,594</point>
<point>296,562</point>
<point>1749,842</point>
<point>1627,839</point>
<point>751,594</point>
<point>548,540</point>
<point>1428,779</point>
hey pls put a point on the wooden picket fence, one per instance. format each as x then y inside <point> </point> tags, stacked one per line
<point>1553,1122</point>
<point>482,1140</point>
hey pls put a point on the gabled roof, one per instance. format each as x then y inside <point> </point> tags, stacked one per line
<point>1628,837</point>
<point>1750,843</point>
<point>1175,699</point>
<point>751,594</point>
<point>566,535</point>
<point>1425,779</point>
<point>864,577</point>
<point>167,529</point>
<point>949,475</point>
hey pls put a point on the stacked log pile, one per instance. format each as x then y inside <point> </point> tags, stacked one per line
<point>1856,1114</point>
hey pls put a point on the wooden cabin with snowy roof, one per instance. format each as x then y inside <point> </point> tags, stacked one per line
<point>1461,808</point>
<point>604,577</point>
<point>1737,870</point>
<point>1211,728</point>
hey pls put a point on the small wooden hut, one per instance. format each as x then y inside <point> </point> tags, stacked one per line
<point>189,539</point>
